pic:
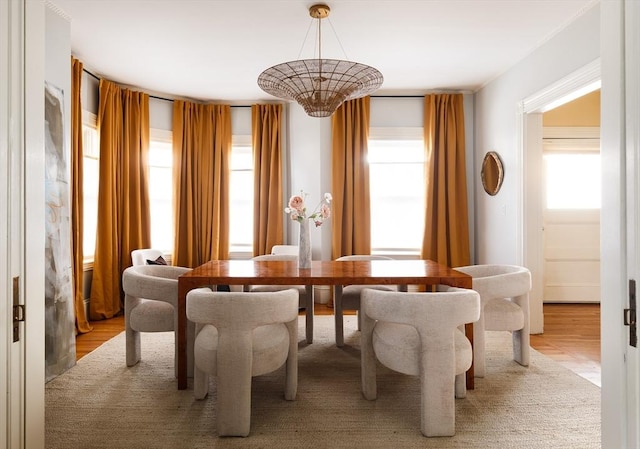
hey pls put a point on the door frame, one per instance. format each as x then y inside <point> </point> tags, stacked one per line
<point>530,109</point>
<point>22,129</point>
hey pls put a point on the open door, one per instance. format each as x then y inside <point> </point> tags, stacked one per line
<point>21,251</point>
<point>13,348</point>
<point>620,220</point>
<point>632,144</point>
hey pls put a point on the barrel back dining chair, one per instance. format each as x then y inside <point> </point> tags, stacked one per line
<point>301,289</point>
<point>241,335</point>
<point>151,305</point>
<point>419,334</point>
<point>147,256</point>
<point>504,297</point>
<point>291,250</point>
<point>347,297</point>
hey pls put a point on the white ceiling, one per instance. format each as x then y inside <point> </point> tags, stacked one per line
<point>215,49</point>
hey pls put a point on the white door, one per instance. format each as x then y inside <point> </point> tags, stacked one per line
<point>571,215</point>
<point>21,251</point>
<point>620,237</point>
<point>11,352</point>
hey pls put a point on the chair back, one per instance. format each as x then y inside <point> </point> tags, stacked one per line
<point>276,257</point>
<point>140,256</point>
<point>241,310</point>
<point>499,281</point>
<point>159,282</point>
<point>429,312</point>
<point>364,257</point>
<point>285,249</point>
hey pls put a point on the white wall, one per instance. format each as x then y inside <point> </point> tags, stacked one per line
<point>499,231</point>
<point>498,218</point>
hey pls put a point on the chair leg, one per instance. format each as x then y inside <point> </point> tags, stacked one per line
<point>437,395</point>
<point>200,383</point>
<point>461,385</point>
<point>234,383</point>
<point>291,380</point>
<point>191,331</point>
<point>133,346</point>
<point>521,338</point>
<point>132,337</point>
<point>521,347</point>
<point>478,348</point>
<point>368,359</point>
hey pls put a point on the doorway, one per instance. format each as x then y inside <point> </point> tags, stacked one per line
<point>576,85</point>
<point>571,181</point>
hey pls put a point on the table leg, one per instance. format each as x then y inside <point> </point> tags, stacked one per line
<point>182,336</point>
<point>337,314</point>
<point>468,330</point>
<point>309,313</point>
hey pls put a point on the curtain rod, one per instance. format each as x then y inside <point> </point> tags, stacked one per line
<point>97,78</point>
<point>247,106</point>
<point>397,96</point>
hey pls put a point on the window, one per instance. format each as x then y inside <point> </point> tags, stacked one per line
<point>161,190</point>
<point>160,187</point>
<point>241,196</point>
<point>397,189</point>
<point>571,159</point>
<point>572,180</point>
<point>91,171</point>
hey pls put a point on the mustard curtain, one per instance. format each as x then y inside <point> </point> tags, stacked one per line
<point>201,153</point>
<point>123,197</point>
<point>351,229</point>
<point>446,234</point>
<point>82,325</point>
<point>266,122</point>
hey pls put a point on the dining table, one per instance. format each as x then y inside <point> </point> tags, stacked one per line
<point>421,273</point>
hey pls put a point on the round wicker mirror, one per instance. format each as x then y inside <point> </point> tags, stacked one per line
<point>492,173</point>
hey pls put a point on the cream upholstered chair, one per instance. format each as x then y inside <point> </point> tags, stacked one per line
<point>150,305</point>
<point>147,256</point>
<point>291,250</point>
<point>304,292</point>
<point>240,336</point>
<point>348,297</point>
<point>418,334</point>
<point>504,295</point>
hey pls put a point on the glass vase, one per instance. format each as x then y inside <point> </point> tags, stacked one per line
<point>304,245</point>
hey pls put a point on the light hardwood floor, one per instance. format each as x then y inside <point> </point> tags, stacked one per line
<point>571,336</point>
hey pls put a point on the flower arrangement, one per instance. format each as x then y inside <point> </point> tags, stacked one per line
<point>298,211</point>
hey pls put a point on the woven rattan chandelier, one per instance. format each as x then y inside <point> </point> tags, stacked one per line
<point>320,85</point>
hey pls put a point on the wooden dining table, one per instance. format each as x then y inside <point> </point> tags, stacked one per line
<point>362,272</point>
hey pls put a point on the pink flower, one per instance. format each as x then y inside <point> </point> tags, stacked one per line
<point>298,212</point>
<point>325,211</point>
<point>296,203</point>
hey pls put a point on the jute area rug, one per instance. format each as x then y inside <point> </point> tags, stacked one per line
<point>100,403</point>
